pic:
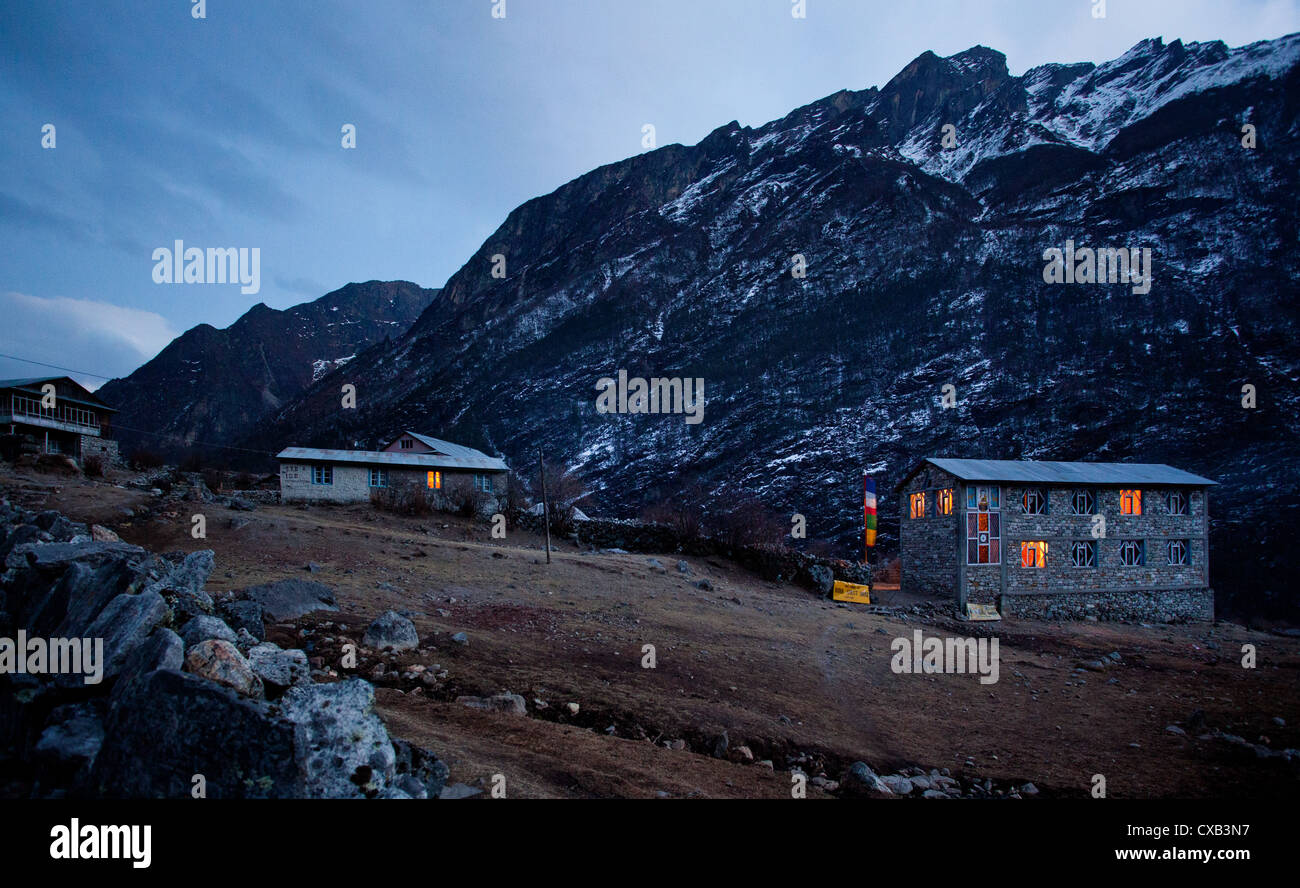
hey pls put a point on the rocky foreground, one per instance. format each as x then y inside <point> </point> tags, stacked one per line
<point>186,698</point>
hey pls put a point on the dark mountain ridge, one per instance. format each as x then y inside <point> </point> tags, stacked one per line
<point>209,388</point>
<point>925,267</point>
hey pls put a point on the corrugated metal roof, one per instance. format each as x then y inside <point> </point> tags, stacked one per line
<point>457,450</point>
<point>26,382</point>
<point>1044,472</point>
<point>415,460</point>
<point>29,380</point>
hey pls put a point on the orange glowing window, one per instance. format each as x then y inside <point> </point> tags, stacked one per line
<point>1130,502</point>
<point>435,480</point>
<point>1033,553</point>
<point>943,502</point>
<point>918,505</point>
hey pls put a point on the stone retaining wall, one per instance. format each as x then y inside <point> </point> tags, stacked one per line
<point>771,562</point>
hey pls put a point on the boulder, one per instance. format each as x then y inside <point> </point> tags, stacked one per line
<point>163,649</point>
<point>203,627</point>
<point>174,725</point>
<point>341,746</point>
<point>418,769</point>
<point>72,738</point>
<point>221,662</point>
<point>823,580</point>
<point>182,586</point>
<point>278,669</point>
<point>391,630</point>
<point>898,784</point>
<point>124,624</point>
<point>291,599</point>
<point>860,780</point>
<point>246,615</point>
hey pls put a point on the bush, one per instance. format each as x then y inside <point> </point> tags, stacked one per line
<point>93,467</point>
<point>145,459</point>
<point>244,481</point>
<point>401,499</point>
<point>467,503</point>
<point>214,479</point>
<point>749,523</point>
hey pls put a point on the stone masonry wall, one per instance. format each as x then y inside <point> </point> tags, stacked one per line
<point>1164,606</point>
<point>771,562</point>
<point>1059,528</point>
<point>928,545</point>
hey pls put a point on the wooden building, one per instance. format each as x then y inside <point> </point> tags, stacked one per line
<point>58,415</point>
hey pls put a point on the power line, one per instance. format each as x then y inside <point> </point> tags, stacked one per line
<point>56,366</point>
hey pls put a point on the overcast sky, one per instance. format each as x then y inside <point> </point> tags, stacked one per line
<point>226,131</point>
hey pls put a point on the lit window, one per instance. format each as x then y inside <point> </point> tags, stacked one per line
<point>379,477</point>
<point>1177,502</point>
<point>1082,502</point>
<point>918,505</point>
<point>1130,502</point>
<point>983,526</point>
<point>1083,553</point>
<point>943,502</point>
<point>322,474</point>
<point>1132,553</point>
<point>1178,552</point>
<point>1034,502</point>
<point>1033,553</point>
<point>435,480</point>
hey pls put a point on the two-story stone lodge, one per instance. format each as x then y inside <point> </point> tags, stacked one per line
<point>1058,540</point>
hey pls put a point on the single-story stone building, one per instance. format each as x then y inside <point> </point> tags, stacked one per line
<point>349,476</point>
<point>1058,540</point>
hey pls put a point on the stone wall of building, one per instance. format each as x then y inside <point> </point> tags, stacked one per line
<point>928,545</point>
<point>1162,606</point>
<point>104,448</point>
<point>1059,528</point>
<point>931,558</point>
<point>352,482</point>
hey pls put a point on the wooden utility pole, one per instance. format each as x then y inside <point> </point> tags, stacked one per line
<point>546,507</point>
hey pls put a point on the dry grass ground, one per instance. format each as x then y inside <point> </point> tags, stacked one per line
<point>776,668</point>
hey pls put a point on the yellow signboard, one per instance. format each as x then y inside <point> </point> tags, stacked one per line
<point>982,612</point>
<point>843,591</point>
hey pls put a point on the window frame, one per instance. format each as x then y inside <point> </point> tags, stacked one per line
<point>1039,550</point>
<point>379,474</point>
<point>984,500</point>
<point>1040,496</point>
<point>915,500</point>
<point>1090,546</point>
<point>322,475</point>
<point>1091,501</point>
<point>1183,498</point>
<point>1185,545</point>
<point>433,479</point>
<point>1125,546</point>
<point>943,499</point>
<point>1130,501</point>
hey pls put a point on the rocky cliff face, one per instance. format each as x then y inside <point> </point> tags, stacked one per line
<point>924,262</point>
<point>213,386</point>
